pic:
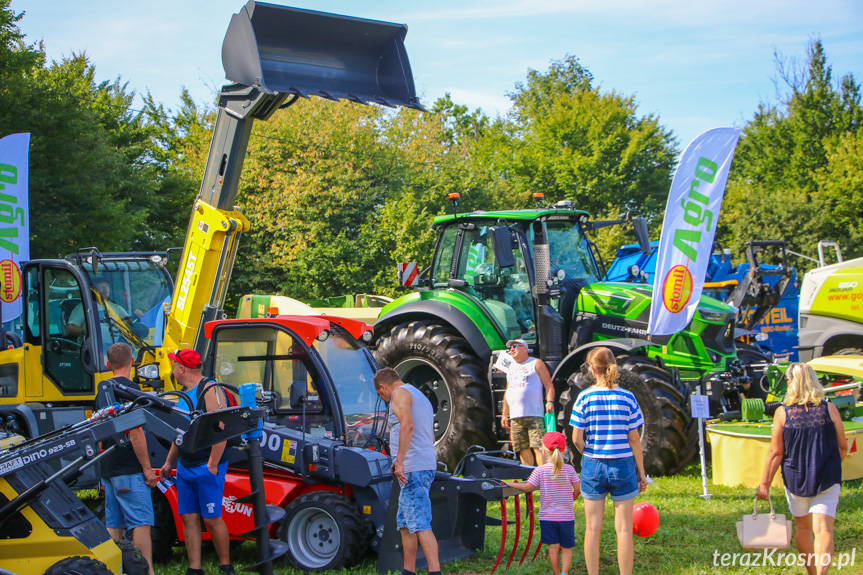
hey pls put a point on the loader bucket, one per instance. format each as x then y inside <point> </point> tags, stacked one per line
<point>309,53</point>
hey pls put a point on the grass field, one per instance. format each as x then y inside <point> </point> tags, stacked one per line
<point>691,531</point>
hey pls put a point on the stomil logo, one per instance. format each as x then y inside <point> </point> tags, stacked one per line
<point>10,281</point>
<point>676,289</point>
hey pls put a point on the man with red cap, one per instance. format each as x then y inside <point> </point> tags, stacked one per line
<point>200,475</point>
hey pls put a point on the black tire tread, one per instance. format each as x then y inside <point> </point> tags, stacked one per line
<point>133,562</point>
<point>669,439</point>
<point>471,420</point>
<point>78,565</point>
<point>355,534</point>
<point>164,532</point>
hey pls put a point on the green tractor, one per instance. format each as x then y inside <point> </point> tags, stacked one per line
<point>536,275</point>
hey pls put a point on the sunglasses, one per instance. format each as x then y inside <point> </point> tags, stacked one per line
<point>515,345</point>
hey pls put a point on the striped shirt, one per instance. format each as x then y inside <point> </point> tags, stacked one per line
<point>606,416</point>
<point>555,493</point>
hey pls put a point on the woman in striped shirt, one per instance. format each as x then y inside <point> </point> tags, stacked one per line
<point>605,421</point>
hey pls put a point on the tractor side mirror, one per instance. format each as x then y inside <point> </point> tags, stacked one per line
<point>298,394</point>
<point>639,224</point>
<point>501,241</point>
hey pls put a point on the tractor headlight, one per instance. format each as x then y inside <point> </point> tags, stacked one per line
<point>149,371</point>
<point>324,335</point>
<point>712,316</point>
<point>367,336</point>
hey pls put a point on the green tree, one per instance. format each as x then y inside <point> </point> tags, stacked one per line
<point>99,173</point>
<point>568,139</point>
<point>792,163</point>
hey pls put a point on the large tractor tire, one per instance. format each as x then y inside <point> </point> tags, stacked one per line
<point>164,531</point>
<point>323,532</point>
<point>441,364</point>
<point>750,356</point>
<point>78,566</point>
<point>133,562</point>
<point>668,439</point>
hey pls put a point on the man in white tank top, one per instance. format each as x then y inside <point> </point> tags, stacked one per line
<point>527,382</point>
<point>414,463</point>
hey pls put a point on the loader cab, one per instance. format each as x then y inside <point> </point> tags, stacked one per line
<point>72,312</point>
<point>304,357</point>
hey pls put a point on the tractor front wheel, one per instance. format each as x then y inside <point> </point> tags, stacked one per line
<point>667,438</point>
<point>323,532</point>
<point>443,366</point>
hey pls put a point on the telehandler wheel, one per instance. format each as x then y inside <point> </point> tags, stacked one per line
<point>323,531</point>
<point>133,562</point>
<point>441,364</point>
<point>78,566</point>
<point>749,355</point>
<point>164,531</point>
<point>667,438</point>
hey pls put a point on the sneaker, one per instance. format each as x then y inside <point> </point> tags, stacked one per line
<point>226,570</point>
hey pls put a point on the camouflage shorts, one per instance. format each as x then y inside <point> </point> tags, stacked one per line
<point>525,432</point>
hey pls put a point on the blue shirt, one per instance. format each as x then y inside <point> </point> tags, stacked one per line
<point>606,416</point>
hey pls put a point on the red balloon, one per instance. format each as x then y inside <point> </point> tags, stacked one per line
<point>645,519</point>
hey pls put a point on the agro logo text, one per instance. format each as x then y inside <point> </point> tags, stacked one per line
<point>9,210</point>
<point>694,213</point>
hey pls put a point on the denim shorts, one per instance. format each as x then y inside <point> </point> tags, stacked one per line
<point>199,491</point>
<point>127,502</point>
<point>601,477</point>
<point>414,502</point>
<point>557,533</point>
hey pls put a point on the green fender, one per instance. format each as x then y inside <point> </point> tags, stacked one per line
<point>450,307</point>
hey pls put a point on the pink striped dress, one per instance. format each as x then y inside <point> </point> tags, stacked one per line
<point>555,493</point>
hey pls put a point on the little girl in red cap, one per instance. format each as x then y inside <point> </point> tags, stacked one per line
<point>558,486</point>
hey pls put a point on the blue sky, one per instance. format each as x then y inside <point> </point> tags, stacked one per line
<point>697,64</point>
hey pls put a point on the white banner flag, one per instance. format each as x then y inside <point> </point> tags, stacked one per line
<point>14,220</point>
<point>688,229</point>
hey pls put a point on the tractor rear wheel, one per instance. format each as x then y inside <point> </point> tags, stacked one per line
<point>78,566</point>
<point>442,365</point>
<point>164,531</point>
<point>750,356</point>
<point>668,439</point>
<point>323,531</point>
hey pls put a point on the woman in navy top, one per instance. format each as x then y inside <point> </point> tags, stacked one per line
<point>605,420</point>
<point>809,443</point>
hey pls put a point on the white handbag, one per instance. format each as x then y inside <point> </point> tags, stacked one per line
<point>764,530</point>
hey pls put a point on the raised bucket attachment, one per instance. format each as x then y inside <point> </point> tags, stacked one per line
<point>288,50</point>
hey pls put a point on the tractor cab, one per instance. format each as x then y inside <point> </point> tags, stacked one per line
<point>490,257</point>
<point>316,369</point>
